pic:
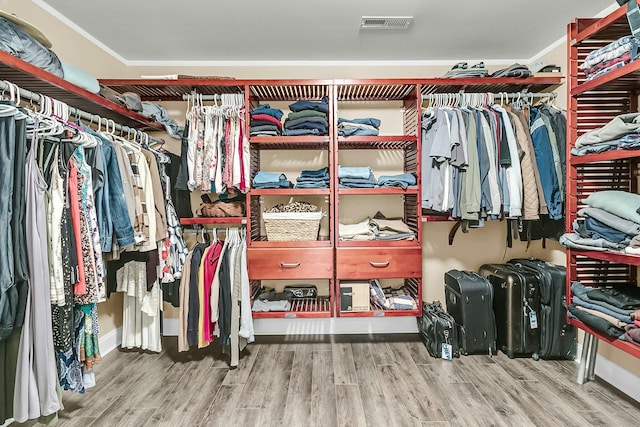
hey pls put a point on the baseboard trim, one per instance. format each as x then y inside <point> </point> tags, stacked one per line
<point>330,326</point>
<point>110,341</point>
<point>623,380</point>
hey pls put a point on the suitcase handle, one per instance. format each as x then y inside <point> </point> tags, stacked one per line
<point>289,264</point>
<point>382,264</point>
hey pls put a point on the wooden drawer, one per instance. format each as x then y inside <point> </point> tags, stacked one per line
<point>370,263</point>
<point>290,263</point>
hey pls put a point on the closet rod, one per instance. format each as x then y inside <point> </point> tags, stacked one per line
<point>214,97</point>
<point>37,98</point>
<point>522,95</point>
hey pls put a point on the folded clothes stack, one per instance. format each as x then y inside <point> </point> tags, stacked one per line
<point>272,301</point>
<point>270,180</point>
<point>308,118</point>
<point>313,178</point>
<point>403,180</point>
<point>265,121</point>
<point>376,228</point>
<point>610,311</point>
<point>356,177</point>
<point>621,133</point>
<point>515,70</point>
<point>610,222</point>
<point>610,57</point>
<point>358,127</point>
<point>462,70</point>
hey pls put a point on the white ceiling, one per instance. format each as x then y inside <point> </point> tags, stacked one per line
<point>160,31</point>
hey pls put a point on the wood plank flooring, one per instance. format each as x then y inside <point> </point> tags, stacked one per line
<point>340,381</point>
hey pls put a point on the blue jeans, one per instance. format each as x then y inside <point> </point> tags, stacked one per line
<point>263,177</point>
<point>366,121</point>
<point>362,172</point>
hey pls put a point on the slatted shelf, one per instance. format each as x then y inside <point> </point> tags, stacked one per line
<point>385,142</point>
<point>289,90</point>
<point>290,142</point>
<point>37,80</point>
<point>173,90</point>
<point>207,220</point>
<point>382,191</point>
<point>489,84</point>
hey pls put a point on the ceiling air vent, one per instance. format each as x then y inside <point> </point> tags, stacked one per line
<point>385,22</point>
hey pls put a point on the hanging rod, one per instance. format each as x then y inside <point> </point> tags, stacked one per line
<point>37,98</point>
<point>523,95</point>
<point>215,97</point>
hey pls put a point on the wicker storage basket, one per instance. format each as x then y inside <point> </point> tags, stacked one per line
<point>292,226</point>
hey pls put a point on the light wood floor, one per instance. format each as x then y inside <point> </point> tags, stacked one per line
<point>340,381</point>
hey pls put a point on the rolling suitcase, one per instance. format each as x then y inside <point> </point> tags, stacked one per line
<point>469,299</point>
<point>557,338</point>
<point>516,304</point>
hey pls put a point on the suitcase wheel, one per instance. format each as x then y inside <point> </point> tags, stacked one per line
<point>535,356</point>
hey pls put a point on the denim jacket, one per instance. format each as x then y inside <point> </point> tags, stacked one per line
<point>112,211</point>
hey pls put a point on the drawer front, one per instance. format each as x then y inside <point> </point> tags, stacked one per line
<point>290,263</point>
<point>357,263</point>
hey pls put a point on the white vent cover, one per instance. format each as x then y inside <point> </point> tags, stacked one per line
<point>385,22</point>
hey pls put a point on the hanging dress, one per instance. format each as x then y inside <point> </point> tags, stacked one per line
<point>36,380</point>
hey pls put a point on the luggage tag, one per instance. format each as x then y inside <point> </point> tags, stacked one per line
<point>447,349</point>
<point>533,319</point>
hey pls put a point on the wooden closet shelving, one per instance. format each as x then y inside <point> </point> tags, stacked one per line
<point>295,262</point>
<point>591,105</point>
<point>35,79</point>
<point>329,259</point>
<point>209,221</point>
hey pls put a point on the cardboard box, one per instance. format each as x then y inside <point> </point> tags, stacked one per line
<point>354,296</point>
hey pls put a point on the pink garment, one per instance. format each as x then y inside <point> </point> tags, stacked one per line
<point>243,184</point>
<point>79,288</point>
<point>210,264</point>
<point>637,323</point>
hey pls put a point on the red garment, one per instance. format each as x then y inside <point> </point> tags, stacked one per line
<point>267,118</point>
<point>210,261</point>
<point>79,288</point>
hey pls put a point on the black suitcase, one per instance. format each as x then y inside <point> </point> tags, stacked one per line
<point>469,299</point>
<point>558,339</point>
<point>436,328</point>
<point>516,304</point>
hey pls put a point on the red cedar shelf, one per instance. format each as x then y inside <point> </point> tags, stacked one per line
<point>437,218</point>
<point>613,26</point>
<point>382,313</point>
<point>289,192</point>
<point>378,243</point>
<point>627,347</point>
<point>608,256</point>
<point>379,138</point>
<point>35,79</point>
<point>207,220</point>
<point>625,78</point>
<point>376,191</point>
<point>295,244</point>
<point>289,140</point>
<point>300,308</point>
<point>606,156</point>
